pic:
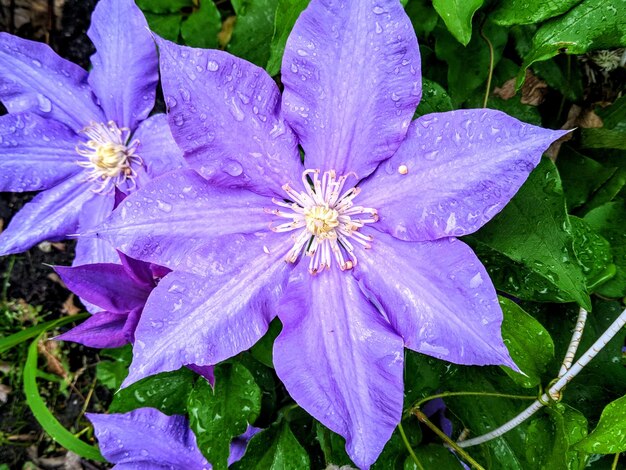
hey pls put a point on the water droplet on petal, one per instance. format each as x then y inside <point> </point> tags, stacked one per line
<point>43,103</point>
<point>232,167</point>
<point>378,10</point>
<point>212,66</point>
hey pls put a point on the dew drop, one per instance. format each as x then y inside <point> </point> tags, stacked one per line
<point>212,66</point>
<point>378,10</point>
<point>232,167</point>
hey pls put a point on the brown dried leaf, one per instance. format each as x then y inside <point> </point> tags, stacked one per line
<point>50,350</point>
<point>69,307</point>
<point>533,91</point>
<point>507,91</point>
<point>223,37</point>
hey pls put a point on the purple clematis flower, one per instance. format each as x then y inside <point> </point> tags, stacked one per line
<point>355,250</point>
<point>147,439</point>
<point>120,290</point>
<point>77,136</point>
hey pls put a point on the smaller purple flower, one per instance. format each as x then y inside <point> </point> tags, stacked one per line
<point>120,290</point>
<point>119,293</point>
<point>146,439</point>
<point>77,136</point>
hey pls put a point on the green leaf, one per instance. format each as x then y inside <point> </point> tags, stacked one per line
<point>435,99</point>
<point>433,456</point>
<point>546,444</point>
<point>593,253</point>
<point>528,342</point>
<point>457,15</point>
<point>395,451</point>
<point>513,12</point>
<point>287,13</point>
<point>608,191</point>
<point>483,414</point>
<point>333,446</point>
<point>609,436</point>
<point>218,415</point>
<point>423,16</point>
<point>581,176</point>
<point>202,26</point>
<point>254,29</point>
<point>111,374</point>
<point>167,392</point>
<point>614,116</point>
<point>166,26</point>
<point>164,6</point>
<point>594,24</point>
<point>534,231</point>
<point>18,338</point>
<point>604,139</point>
<point>43,415</point>
<point>422,376</point>
<point>263,349</point>
<point>275,448</point>
<point>468,67</point>
<point>575,428</point>
<point>608,221</point>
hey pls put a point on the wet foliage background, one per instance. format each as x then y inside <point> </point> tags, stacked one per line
<point>560,245</point>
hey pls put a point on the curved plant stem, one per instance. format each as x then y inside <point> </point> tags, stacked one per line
<point>464,455</point>
<point>555,389</point>
<point>418,464</point>
<point>460,394</point>
<point>573,345</point>
<point>491,60</point>
<point>615,460</point>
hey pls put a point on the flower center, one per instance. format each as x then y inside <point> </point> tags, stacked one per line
<point>320,221</point>
<point>325,219</point>
<point>110,158</point>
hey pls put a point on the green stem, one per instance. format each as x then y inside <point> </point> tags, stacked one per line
<point>491,60</point>
<point>462,453</point>
<point>7,277</point>
<point>460,394</point>
<point>614,466</point>
<point>409,448</point>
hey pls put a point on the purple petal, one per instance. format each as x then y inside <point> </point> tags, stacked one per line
<point>340,360</point>
<point>147,439</point>
<point>125,66</point>
<point>191,319</point>
<point>454,172</point>
<point>33,78</point>
<point>205,371</point>
<point>438,297</point>
<point>175,219</point>
<point>93,250</point>
<point>52,215</point>
<point>37,153</point>
<point>224,114</point>
<point>157,148</point>
<point>438,407</point>
<point>106,285</point>
<point>131,323</point>
<point>101,330</point>
<point>141,273</point>
<point>239,444</point>
<point>351,72</point>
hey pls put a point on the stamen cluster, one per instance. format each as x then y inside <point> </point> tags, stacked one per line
<point>327,220</point>
<point>110,156</point>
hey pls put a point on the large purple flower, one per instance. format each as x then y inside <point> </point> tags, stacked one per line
<point>77,136</point>
<point>355,250</point>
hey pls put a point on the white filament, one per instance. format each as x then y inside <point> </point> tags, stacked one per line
<point>325,219</point>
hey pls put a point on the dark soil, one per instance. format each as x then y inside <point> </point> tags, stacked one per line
<point>31,281</point>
